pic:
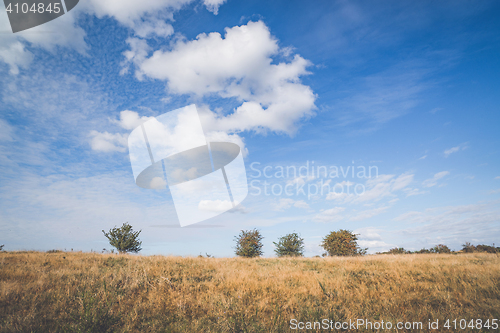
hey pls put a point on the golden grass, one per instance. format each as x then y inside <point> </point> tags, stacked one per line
<point>89,292</point>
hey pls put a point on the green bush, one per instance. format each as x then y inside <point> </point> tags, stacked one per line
<point>249,243</point>
<point>124,239</point>
<point>469,248</point>
<point>342,243</point>
<point>398,250</point>
<point>440,248</point>
<point>290,245</point>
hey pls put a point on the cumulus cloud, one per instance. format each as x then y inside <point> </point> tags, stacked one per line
<point>129,120</point>
<point>158,183</point>
<point>15,55</point>
<point>238,65</point>
<point>213,5</point>
<point>63,31</point>
<point>146,17</point>
<point>433,181</point>
<point>107,142</point>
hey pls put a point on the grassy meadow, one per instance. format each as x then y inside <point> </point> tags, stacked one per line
<point>90,292</point>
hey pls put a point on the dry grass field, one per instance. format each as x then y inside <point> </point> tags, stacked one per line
<point>90,292</point>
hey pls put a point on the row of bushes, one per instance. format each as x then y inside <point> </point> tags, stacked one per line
<point>441,248</point>
<point>336,243</point>
<point>249,244</point>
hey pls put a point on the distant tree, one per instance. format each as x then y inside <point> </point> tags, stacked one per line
<point>124,239</point>
<point>440,248</point>
<point>249,243</point>
<point>342,243</point>
<point>398,250</point>
<point>468,247</point>
<point>487,248</point>
<point>1,248</point>
<point>290,245</point>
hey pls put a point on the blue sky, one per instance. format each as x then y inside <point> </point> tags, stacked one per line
<point>408,88</point>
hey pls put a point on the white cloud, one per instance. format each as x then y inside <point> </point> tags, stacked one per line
<point>368,213</point>
<point>283,204</point>
<point>107,142</point>
<point>413,191</point>
<point>383,186</point>
<point>129,120</point>
<point>370,238</point>
<point>368,233</point>
<point>286,203</point>
<point>15,55</point>
<point>401,182</point>
<point>146,17</point>
<point>374,189</point>
<point>6,131</point>
<point>158,183</point>
<point>384,96</point>
<point>497,177</point>
<point>301,180</point>
<point>330,215</point>
<point>452,150</point>
<point>454,225</point>
<point>213,5</point>
<point>433,181</point>
<point>337,192</point>
<point>301,204</point>
<point>240,66</point>
<point>60,32</point>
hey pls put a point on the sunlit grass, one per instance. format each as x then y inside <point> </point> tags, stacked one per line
<point>89,292</point>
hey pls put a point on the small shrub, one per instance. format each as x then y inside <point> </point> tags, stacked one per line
<point>249,243</point>
<point>290,245</point>
<point>398,250</point>
<point>487,248</point>
<point>342,243</point>
<point>440,248</point>
<point>469,248</point>
<point>125,239</point>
